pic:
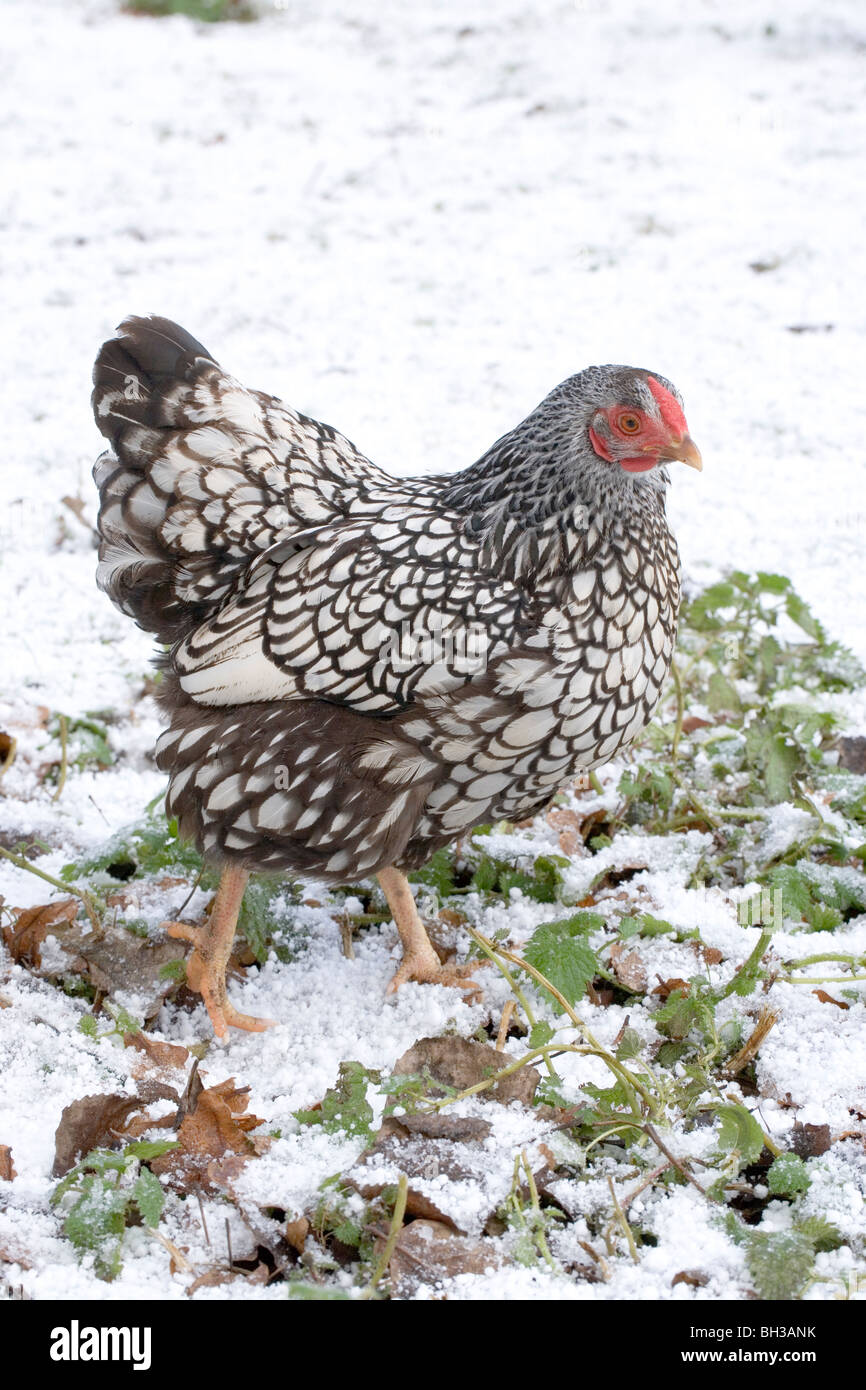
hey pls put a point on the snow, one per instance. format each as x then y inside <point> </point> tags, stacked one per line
<point>412,222</point>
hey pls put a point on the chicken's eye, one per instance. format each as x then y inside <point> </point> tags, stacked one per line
<point>629,424</point>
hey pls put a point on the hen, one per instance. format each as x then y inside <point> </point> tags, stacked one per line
<point>362,668</point>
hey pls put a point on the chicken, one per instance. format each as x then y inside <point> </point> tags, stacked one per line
<point>362,668</point>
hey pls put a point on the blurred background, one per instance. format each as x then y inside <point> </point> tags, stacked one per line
<point>412,221</point>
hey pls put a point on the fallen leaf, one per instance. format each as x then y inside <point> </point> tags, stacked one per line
<point>91,1123</point>
<point>428,1252</point>
<point>628,968</point>
<point>711,955</point>
<point>459,1063</point>
<point>852,753</point>
<point>25,935</point>
<point>216,1126</point>
<point>211,1278</point>
<point>296,1232</point>
<point>692,722</point>
<point>693,1277</point>
<point>425,1162</point>
<point>7,1170</point>
<point>828,999</point>
<point>162,1054</point>
<point>451,917</point>
<point>810,1141</point>
<point>666,987</point>
<point>111,960</point>
<point>458,1128</point>
<point>569,842</point>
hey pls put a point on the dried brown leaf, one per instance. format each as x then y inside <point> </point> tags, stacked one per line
<point>694,721</point>
<point>296,1232</point>
<point>428,1252</point>
<point>461,1063</point>
<point>161,1054</point>
<point>667,987</point>
<point>90,1123</point>
<point>457,1128</point>
<point>810,1141</point>
<point>828,999</point>
<point>695,1278</point>
<point>628,967</point>
<point>425,1162</point>
<point>7,1169</point>
<point>212,1278</point>
<point>212,1128</point>
<point>25,935</point>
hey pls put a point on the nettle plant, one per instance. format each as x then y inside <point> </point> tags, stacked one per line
<point>108,1191</point>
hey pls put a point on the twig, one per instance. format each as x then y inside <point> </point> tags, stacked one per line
<point>647,1182</point>
<point>179,1258</point>
<point>504,1024</point>
<point>203,1222</point>
<point>653,1134</point>
<point>767,1019</point>
<point>681,709</point>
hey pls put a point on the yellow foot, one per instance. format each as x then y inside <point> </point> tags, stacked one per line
<point>206,974</point>
<point>424,967</point>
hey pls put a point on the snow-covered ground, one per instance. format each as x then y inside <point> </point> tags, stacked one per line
<point>411,221</point>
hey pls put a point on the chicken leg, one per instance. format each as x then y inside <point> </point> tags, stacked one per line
<point>420,961</point>
<point>206,966</point>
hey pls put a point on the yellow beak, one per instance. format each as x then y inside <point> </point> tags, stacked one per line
<point>685,451</point>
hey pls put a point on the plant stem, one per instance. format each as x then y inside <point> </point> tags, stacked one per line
<point>514,987</point>
<point>64,755</point>
<point>393,1232</point>
<point>622,1221</point>
<point>681,709</point>
<point>21,863</point>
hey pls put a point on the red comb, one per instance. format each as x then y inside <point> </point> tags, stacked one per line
<point>669,407</point>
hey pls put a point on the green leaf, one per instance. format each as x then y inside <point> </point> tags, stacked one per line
<point>87,1026</point>
<point>721,694</point>
<point>629,1045</point>
<point>782,762</point>
<point>772,583</point>
<point>146,1149</point>
<point>486,874</point>
<point>344,1107</point>
<point>788,1176</point>
<point>318,1293</point>
<point>558,950</point>
<point>739,1132</point>
<point>653,926</point>
<point>98,1214</point>
<point>779,1263</point>
<point>148,1196</point>
<point>437,873</point>
<point>800,613</point>
<point>541,1033</point>
<point>821,1232</point>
